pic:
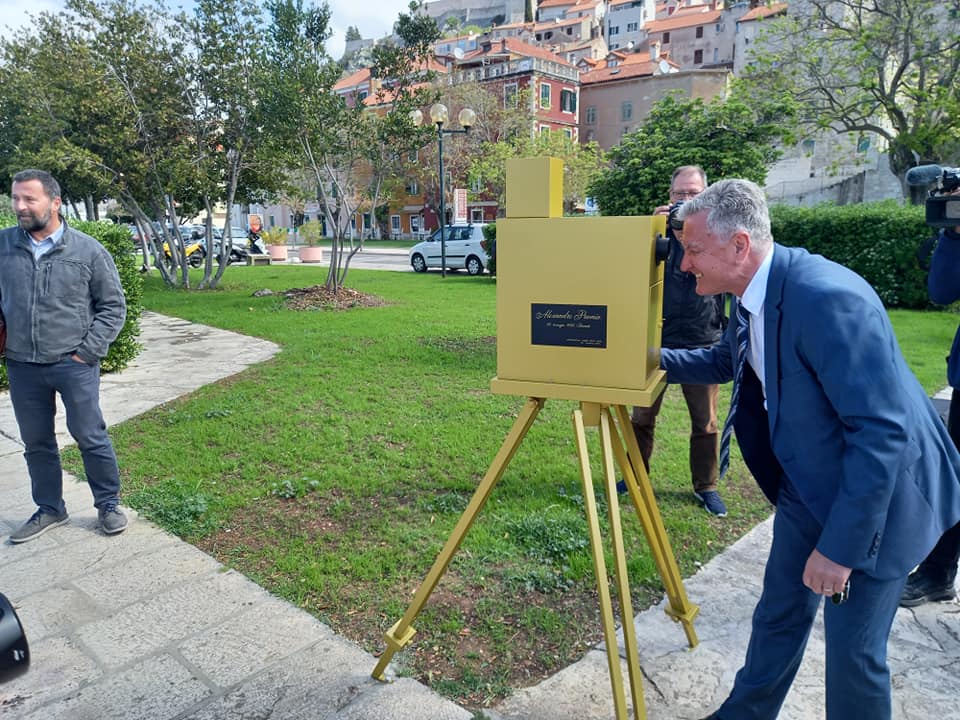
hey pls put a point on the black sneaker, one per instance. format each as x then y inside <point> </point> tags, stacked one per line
<point>712,502</point>
<point>112,519</point>
<point>921,589</point>
<point>37,525</point>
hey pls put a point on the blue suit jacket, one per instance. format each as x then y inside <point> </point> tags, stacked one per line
<point>846,421</point>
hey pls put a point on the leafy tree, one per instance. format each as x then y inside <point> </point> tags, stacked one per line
<point>350,146</point>
<point>353,34</point>
<point>889,68</point>
<point>469,157</point>
<point>725,138</point>
<point>581,164</point>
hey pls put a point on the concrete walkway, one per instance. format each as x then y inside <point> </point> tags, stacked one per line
<point>143,626</point>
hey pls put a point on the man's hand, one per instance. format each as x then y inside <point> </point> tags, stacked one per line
<point>823,575</point>
<point>662,210</point>
<point>77,358</point>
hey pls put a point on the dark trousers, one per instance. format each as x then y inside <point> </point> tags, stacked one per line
<point>941,563</point>
<point>857,676</point>
<point>33,389</point>
<point>704,438</point>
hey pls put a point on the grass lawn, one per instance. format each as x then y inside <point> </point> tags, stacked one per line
<point>333,474</point>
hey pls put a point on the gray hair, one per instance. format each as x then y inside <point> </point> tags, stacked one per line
<point>689,169</point>
<point>731,206</point>
<point>50,186</point>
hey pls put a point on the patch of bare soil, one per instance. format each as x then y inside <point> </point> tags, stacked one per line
<point>319,297</point>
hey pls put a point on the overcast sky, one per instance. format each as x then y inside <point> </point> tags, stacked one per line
<point>374,18</point>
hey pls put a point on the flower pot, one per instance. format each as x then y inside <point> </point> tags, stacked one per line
<point>277,252</point>
<point>311,254</point>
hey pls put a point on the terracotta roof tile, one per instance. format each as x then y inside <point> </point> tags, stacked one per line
<point>763,11</point>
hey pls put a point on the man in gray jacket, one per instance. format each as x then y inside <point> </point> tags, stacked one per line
<point>63,305</point>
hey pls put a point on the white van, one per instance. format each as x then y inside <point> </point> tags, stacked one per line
<point>463,250</point>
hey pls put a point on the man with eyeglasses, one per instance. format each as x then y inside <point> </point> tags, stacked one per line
<point>689,321</point>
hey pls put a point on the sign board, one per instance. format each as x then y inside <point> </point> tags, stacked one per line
<point>460,206</point>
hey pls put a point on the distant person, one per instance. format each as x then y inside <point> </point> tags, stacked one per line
<point>63,305</point>
<point>935,579</point>
<point>689,321</point>
<point>838,434</point>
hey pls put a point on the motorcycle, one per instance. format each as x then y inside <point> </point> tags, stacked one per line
<point>241,248</point>
<point>192,248</point>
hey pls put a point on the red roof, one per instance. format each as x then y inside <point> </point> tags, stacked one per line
<point>556,3</point>
<point>621,72</point>
<point>684,18</point>
<point>513,48</point>
<point>763,11</point>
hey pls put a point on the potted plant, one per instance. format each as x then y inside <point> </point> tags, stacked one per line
<point>311,233</point>
<point>275,239</point>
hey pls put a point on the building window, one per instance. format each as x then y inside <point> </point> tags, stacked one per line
<point>395,224</point>
<point>476,215</point>
<point>362,95</point>
<point>863,144</point>
<point>568,101</point>
<point>545,96</point>
<point>414,224</point>
<point>717,27</point>
<point>626,111</point>
<point>716,54</point>
<point>699,33</point>
<point>666,38</point>
<point>544,129</point>
<point>808,146</point>
<point>273,221</point>
<point>632,27</point>
<point>697,57</point>
<point>412,188</point>
<point>568,132</point>
<point>614,30</point>
<point>590,118</point>
<point>510,97</point>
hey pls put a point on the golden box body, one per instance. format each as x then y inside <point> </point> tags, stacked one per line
<point>579,300</point>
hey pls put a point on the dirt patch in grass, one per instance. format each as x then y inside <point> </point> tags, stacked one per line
<point>478,639</point>
<point>319,297</point>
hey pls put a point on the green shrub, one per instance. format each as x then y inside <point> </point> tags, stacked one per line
<point>876,240</point>
<point>489,244</point>
<point>116,238</point>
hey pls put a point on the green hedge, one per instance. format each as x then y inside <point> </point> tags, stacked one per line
<point>116,238</point>
<point>879,241</point>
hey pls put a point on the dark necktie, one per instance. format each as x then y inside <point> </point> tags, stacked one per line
<point>743,340</point>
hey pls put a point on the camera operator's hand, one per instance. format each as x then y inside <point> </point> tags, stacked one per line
<point>662,210</point>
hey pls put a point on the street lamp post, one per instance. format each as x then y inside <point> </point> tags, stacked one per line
<point>439,116</point>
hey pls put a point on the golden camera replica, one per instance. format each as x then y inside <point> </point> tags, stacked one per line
<point>579,314</point>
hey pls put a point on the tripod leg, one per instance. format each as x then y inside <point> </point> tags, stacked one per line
<point>645,503</point>
<point>600,567</point>
<point>402,632</point>
<point>620,564</point>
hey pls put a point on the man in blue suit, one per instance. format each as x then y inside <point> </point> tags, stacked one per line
<point>839,435</point>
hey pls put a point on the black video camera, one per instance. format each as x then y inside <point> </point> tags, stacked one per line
<point>674,223</point>
<point>14,652</point>
<point>943,210</point>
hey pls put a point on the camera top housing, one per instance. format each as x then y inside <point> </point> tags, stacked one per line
<point>943,209</point>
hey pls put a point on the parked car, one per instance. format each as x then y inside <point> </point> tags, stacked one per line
<point>463,250</point>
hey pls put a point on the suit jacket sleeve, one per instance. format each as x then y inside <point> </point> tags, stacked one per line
<point>703,366</point>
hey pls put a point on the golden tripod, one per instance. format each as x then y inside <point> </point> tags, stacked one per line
<point>618,444</point>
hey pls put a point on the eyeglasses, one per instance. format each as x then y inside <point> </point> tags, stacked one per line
<point>684,194</point>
